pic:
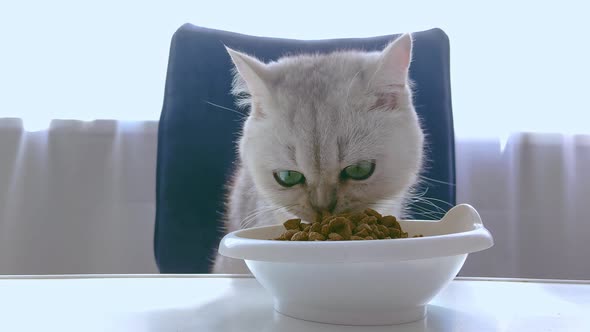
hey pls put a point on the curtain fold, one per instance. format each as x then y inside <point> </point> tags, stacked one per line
<point>77,198</point>
<point>533,195</point>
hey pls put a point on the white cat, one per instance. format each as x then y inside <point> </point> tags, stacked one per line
<point>333,132</point>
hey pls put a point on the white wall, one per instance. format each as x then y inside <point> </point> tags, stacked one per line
<point>516,65</point>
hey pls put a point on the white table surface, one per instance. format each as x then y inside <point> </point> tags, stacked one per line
<point>238,303</point>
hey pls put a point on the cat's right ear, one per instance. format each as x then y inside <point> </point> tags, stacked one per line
<point>394,63</point>
<point>252,71</point>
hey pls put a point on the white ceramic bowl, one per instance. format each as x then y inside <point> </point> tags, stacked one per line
<point>378,282</point>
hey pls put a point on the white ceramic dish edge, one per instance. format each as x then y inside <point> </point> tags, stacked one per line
<point>460,231</point>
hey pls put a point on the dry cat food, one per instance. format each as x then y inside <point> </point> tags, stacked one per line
<point>366,225</point>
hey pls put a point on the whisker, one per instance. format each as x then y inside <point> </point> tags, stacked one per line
<point>413,193</point>
<point>410,206</point>
<point>438,200</point>
<point>437,181</point>
<point>225,108</point>
<point>251,218</point>
<point>425,215</point>
<point>429,203</point>
<point>425,210</point>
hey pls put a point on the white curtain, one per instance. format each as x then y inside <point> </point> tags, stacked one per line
<point>79,198</point>
<point>533,195</point>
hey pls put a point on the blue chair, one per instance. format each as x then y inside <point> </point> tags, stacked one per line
<point>196,149</point>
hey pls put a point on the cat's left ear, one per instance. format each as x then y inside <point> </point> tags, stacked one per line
<point>252,71</point>
<point>394,63</point>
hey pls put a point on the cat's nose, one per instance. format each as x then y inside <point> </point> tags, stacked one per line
<point>324,199</point>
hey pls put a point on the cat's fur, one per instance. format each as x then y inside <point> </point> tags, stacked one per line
<point>317,114</point>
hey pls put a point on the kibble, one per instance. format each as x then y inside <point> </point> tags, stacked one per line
<point>315,236</point>
<point>335,237</point>
<point>366,225</point>
<point>300,236</point>
<point>292,224</point>
<point>316,227</point>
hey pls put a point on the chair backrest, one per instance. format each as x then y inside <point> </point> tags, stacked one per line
<point>196,140</point>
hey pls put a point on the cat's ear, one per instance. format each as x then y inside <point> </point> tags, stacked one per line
<point>394,63</point>
<point>252,71</point>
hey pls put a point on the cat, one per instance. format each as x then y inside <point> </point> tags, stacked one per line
<point>330,133</point>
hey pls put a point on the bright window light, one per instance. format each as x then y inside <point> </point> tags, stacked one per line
<point>516,66</point>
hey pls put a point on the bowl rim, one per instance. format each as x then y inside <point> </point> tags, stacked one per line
<point>234,245</point>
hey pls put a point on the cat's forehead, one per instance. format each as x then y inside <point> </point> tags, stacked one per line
<point>321,87</point>
<point>322,103</point>
<point>312,133</point>
<point>319,74</point>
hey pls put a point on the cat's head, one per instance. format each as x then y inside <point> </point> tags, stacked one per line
<point>335,132</point>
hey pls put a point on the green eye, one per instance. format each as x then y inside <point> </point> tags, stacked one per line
<point>359,171</point>
<point>288,178</point>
